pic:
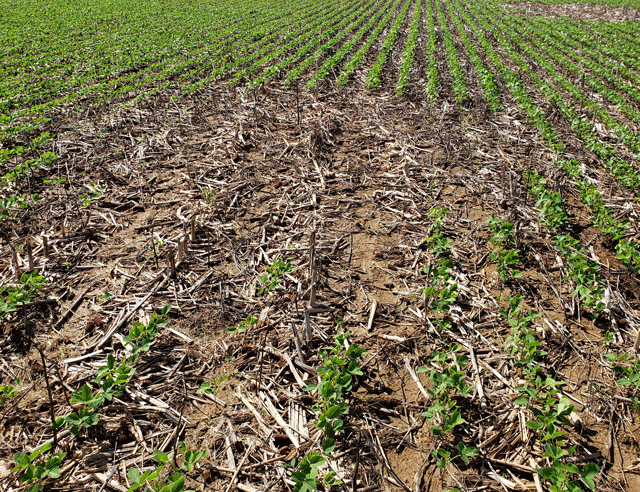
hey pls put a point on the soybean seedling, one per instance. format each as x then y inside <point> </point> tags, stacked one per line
<point>96,193</point>
<point>7,392</point>
<point>502,240</point>
<point>270,277</point>
<point>212,387</point>
<point>171,480</point>
<point>38,466</point>
<point>104,297</point>
<point>243,325</point>
<point>13,297</point>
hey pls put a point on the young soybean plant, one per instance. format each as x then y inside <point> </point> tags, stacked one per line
<point>446,380</point>
<point>502,240</point>
<point>169,480</point>
<point>112,377</point>
<point>270,277</point>
<point>38,466</point>
<point>339,367</point>
<point>22,293</point>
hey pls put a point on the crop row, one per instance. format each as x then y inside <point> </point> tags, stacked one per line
<point>459,84</point>
<point>346,48</point>
<point>359,55</point>
<point>373,77</point>
<point>626,250</point>
<point>407,56</point>
<point>485,77</point>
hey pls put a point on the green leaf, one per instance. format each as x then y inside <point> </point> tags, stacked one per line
<point>134,475</point>
<point>310,387</point>
<point>178,482</point>
<point>85,395</point>
<point>315,460</point>
<point>328,445</point>
<point>22,460</point>
<point>553,451</point>
<point>161,457</point>
<point>53,471</point>
<point>523,400</point>
<point>333,412</point>
<point>546,473</point>
<point>455,419</point>
<point>590,471</point>
<point>330,480</point>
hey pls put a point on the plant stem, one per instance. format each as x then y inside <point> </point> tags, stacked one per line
<point>53,417</point>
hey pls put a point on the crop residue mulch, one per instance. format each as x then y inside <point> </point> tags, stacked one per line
<point>339,184</point>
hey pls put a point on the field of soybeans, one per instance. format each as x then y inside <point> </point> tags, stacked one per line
<point>360,246</point>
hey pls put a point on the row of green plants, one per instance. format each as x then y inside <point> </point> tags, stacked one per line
<point>17,204</point>
<point>440,291</point>
<point>337,373</point>
<point>406,62</point>
<point>447,382</point>
<point>548,56</point>
<point>485,77</point>
<point>112,377</point>
<point>626,250</point>
<point>432,88</point>
<point>540,394</point>
<point>610,3</point>
<point>346,48</point>
<point>42,464</point>
<point>588,286</point>
<point>16,152</point>
<point>549,409</point>
<point>615,50</point>
<point>447,371</point>
<point>23,292</point>
<point>359,55</point>
<point>612,41</point>
<point>459,85</point>
<point>373,76</point>
<point>503,250</point>
<point>63,59</point>
<point>27,167</point>
<point>107,66</point>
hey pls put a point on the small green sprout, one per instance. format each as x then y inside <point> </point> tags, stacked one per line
<point>270,278</point>
<point>105,297</point>
<point>212,387</point>
<point>243,325</point>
